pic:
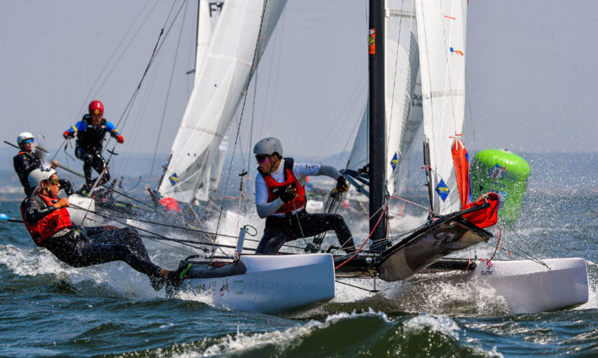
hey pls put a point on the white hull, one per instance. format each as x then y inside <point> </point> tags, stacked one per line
<point>271,284</point>
<point>531,287</point>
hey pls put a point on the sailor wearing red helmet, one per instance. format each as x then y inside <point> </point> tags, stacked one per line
<point>90,132</point>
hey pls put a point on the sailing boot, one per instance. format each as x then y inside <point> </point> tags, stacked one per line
<point>175,278</point>
<point>157,282</point>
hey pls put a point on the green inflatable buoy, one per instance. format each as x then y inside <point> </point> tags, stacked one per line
<point>504,173</point>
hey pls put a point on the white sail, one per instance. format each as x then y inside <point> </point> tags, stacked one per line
<point>226,69</point>
<point>441,31</point>
<point>412,127</point>
<point>401,67</point>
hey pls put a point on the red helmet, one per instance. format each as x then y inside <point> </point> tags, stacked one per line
<point>96,107</point>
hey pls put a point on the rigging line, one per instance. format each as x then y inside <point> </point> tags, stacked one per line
<point>525,253</point>
<point>411,202</point>
<point>182,228</point>
<point>154,236</point>
<point>158,238</point>
<point>129,106</point>
<point>168,91</point>
<point>114,53</point>
<point>362,245</point>
<point>156,50</point>
<point>354,286</point>
<point>253,68</point>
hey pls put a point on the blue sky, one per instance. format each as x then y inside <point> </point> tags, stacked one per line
<point>531,73</point>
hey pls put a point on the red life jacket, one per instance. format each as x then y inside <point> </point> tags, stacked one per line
<point>484,217</point>
<point>48,225</point>
<point>275,187</point>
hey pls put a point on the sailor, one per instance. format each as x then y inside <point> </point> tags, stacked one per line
<point>90,132</point>
<point>26,161</point>
<point>280,198</point>
<point>49,224</point>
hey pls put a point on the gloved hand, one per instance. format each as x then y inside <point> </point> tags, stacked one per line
<point>68,134</point>
<point>120,139</point>
<point>341,185</point>
<point>289,193</point>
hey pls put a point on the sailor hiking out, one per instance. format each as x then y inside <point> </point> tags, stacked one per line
<point>90,132</point>
<point>48,221</point>
<point>280,198</point>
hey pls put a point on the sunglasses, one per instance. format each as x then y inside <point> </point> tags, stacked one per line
<point>261,158</point>
<point>53,181</point>
<point>28,141</point>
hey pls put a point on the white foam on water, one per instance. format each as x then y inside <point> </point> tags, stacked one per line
<point>118,277</point>
<point>280,339</point>
<point>441,324</point>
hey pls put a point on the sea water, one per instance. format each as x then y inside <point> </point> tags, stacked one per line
<point>50,309</point>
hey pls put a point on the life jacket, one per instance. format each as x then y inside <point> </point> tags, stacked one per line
<point>49,224</point>
<point>484,217</point>
<point>93,135</point>
<point>274,189</point>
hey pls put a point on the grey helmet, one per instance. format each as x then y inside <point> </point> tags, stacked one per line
<point>39,175</point>
<point>23,137</point>
<point>268,146</point>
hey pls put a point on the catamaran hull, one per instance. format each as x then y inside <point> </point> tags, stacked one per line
<point>531,287</point>
<point>270,284</point>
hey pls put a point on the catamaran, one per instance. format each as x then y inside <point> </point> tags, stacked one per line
<point>426,40</point>
<point>229,45</point>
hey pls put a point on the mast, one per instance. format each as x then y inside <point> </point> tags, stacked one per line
<point>377,137</point>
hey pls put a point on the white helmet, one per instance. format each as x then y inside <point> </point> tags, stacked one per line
<point>23,137</point>
<point>268,146</point>
<point>39,175</point>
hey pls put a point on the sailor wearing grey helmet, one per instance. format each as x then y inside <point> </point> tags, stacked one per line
<point>280,198</point>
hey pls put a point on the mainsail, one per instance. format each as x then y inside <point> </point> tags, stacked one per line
<point>236,43</point>
<point>441,31</point>
<point>403,108</point>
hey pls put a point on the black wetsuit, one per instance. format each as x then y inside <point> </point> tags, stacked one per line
<point>24,163</point>
<point>89,146</point>
<point>298,224</point>
<point>280,230</point>
<point>81,247</point>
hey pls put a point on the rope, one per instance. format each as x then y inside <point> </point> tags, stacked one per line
<point>237,136</point>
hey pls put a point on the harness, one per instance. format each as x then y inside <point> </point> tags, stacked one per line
<point>48,225</point>
<point>274,189</point>
<point>92,135</point>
